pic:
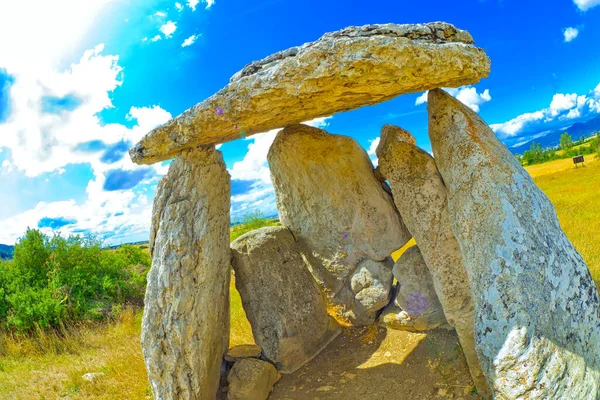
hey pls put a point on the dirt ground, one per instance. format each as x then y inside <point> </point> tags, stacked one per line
<point>375,363</point>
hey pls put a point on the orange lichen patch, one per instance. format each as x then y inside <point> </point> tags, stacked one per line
<point>369,336</point>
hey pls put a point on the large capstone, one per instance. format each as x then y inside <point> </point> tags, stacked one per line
<point>537,311</point>
<point>286,308</point>
<point>416,306</point>
<point>421,197</point>
<point>328,196</point>
<point>341,71</point>
<point>185,328</point>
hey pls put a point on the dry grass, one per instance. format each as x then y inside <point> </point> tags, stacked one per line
<point>575,193</point>
<point>51,366</point>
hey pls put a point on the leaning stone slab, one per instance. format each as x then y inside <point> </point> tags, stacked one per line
<point>341,71</point>
<point>416,306</point>
<point>251,379</point>
<point>328,196</point>
<point>537,310</point>
<point>185,328</point>
<point>421,197</point>
<point>285,307</point>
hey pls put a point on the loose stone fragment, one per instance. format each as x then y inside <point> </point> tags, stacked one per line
<point>251,379</point>
<point>341,71</point>
<point>416,306</point>
<point>328,196</point>
<point>243,351</point>
<point>537,311</point>
<point>185,328</point>
<point>285,307</point>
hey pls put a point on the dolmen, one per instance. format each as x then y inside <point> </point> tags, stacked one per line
<point>491,260</point>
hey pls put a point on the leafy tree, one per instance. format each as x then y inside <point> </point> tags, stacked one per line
<point>566,142</point>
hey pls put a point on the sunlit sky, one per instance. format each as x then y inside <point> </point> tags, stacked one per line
<point>81,81</point>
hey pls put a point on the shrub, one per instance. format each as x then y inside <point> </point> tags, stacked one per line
<point>52,281</point>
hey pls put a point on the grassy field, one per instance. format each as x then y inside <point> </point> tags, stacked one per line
<point>51,366</point>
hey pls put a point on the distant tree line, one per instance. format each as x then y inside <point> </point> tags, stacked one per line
<point>568,149</point>
<point>54,281</point>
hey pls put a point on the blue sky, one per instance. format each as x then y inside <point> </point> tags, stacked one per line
<point>81,81</point>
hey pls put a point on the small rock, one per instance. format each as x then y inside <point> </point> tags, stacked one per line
<point>325,388</point>
<point>442,392</point>
<point>387,354</point>
<point>92,376</point>
<point>251,379</point>
<point>243,351</point>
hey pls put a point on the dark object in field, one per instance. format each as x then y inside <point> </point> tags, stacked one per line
<point>577,160</point>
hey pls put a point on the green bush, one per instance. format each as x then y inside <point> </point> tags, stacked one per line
<point>57,280</point>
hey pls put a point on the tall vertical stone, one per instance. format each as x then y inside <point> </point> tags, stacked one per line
<point>328,196</point>
<point>421,197</point>
<point>185,328</point>
<point>537,310</point>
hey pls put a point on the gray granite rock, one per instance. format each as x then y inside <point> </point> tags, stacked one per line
<point>285,306</point>
<point>185,327</point>
<point>537,310</point>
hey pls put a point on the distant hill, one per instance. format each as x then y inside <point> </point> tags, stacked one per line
<point>6,251</point>
<point>552,139</point>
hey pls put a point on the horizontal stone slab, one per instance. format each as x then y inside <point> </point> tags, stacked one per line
<point>341,71</point>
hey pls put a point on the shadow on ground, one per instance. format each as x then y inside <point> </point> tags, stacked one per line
<point>383,364</point>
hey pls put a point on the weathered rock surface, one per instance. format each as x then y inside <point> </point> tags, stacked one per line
<point>421,197</point>
<point>243,351</point>
<point>537,311</point>
<point>251,379</point>
<point>185,328</point>
<point>341,71</point>
<point>327,194</point>
<point>416,306</point>
<point>285,307</point>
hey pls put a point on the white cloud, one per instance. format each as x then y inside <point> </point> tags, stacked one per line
<point>585,5</point>
<point>421,99</point>
<point>467,95</point>
<point>193,3</point>
<point>160,14</point>
<point>168,29</point>
<point>156,38</point>
<point>189,41</point>
<point>562,107</point>
<point>570,34</point>
<point>373,146</point>
<point>178,6</point>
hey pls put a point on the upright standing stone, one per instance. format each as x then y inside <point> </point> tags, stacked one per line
<point>327,194</point>
<point>285,307</point>
<point>416,306</point>
<point>537,311</point>
<point>185,328</point>
<point>421,197</point>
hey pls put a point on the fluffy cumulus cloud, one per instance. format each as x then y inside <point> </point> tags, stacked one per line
<point>189,41</point>
<point>53,122</point>
<point>562,108</point>
<point>252,177</point>
<point>570,34</point>
<point>467,95</point>
<point>585,5</point>
<point>372,148</point>
<point>168,29</point>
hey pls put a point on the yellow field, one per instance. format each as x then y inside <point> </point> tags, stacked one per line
<point>575,193</point>
<point>51,367</point>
